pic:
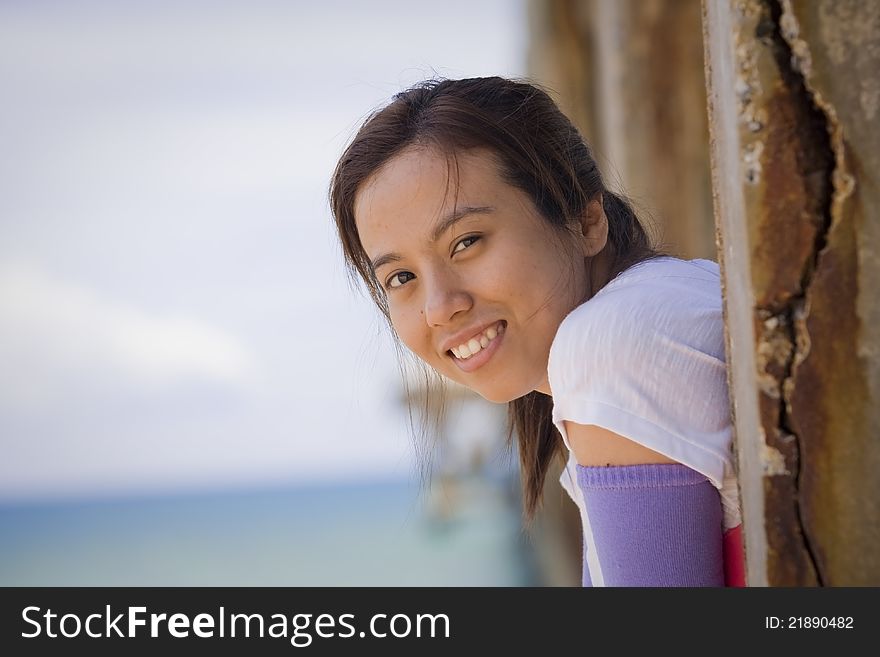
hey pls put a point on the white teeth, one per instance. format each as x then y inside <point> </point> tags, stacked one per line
<point>475,345</point>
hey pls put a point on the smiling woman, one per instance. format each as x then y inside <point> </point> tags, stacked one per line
<point>475,214</point>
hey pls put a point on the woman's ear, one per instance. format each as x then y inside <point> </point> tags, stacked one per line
<point>594,227</point>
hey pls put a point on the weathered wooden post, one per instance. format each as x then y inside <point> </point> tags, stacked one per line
<point>794,99</point>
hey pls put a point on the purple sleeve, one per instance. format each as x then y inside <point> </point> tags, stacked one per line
<point>657,524</point>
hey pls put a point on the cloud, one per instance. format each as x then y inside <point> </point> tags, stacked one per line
<point>54,332</point>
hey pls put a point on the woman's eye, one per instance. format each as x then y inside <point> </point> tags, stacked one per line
<point>399,279</point>
<point>465,243</point>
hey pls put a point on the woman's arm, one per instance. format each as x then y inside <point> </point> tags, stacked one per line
<point>594,445</point>
<point>654,522</point>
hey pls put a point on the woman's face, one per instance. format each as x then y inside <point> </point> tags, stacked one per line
<point>477,281</point>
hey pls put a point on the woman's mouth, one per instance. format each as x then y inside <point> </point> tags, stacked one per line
<point>479,349</point>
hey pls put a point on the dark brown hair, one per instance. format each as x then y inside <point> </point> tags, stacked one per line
<point>539,151</point>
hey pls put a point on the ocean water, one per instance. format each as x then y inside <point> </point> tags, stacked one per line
<point>360,535</point>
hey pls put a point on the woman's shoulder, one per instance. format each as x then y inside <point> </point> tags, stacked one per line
<point>663,291</point>
<point>652,305</point>
<point>664,272</point>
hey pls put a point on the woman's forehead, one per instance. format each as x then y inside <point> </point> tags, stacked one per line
<point>423,182</point>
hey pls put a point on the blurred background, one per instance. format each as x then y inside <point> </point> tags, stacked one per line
<point>191,391</point>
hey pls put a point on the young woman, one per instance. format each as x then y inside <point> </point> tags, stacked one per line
<point>474,212</point>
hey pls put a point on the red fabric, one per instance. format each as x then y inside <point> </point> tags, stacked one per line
<point>734,557</point>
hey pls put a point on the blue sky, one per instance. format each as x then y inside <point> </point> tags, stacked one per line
<point>174,312</point>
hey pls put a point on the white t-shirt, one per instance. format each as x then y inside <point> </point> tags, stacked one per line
<point>644,358</point>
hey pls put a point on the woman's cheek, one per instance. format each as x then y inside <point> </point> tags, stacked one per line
<point>411,329</point>
<point>493,277</point>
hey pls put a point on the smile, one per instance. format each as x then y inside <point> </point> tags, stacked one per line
<point>479,342</point>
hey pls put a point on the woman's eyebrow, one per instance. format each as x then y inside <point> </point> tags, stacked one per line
<point>455,216</point>
<point>444,224</point>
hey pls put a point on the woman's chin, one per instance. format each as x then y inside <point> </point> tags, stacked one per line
<point>497,395</point>
<point>489,390</point>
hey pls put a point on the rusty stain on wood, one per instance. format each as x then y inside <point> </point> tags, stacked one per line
<point>830,395</point>
<point>797,222</point>
<point>799,188</point>
<point>789,167</point>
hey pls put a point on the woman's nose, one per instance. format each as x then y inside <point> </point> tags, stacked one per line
<point>445,297</point>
